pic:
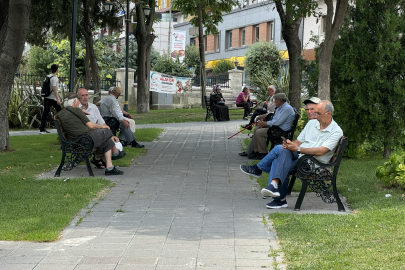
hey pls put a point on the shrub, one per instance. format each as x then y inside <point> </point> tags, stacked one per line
<point>222,66</point>
<point>392,173</point>
<point>165,64</point>
<point>192,59</point>
<point>262,56</point>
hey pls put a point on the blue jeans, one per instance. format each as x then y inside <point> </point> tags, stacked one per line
<point>279,163</point>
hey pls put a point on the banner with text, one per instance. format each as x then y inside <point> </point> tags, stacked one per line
<point>178,45</point>
<point>169,84</point>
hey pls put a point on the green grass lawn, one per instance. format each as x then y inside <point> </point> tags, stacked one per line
<point>372,237</point>
<point>37,210</point>
<point>178,116</point>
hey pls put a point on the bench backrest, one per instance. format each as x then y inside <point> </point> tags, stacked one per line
<point>340,149</point>
<point>59,129</point>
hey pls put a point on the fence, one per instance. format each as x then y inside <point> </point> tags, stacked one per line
<point>211,80</point>
<point>37,80</point>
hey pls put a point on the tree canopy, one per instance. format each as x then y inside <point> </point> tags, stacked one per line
<point>367,75</point>
<point>262,56</point>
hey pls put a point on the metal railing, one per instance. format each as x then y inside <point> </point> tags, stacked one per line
<point>211,80</point>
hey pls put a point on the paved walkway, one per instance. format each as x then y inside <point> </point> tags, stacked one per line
<point>184,205</point>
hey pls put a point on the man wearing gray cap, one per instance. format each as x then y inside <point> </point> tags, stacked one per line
<point>283,118</point>
<point>310,105</point>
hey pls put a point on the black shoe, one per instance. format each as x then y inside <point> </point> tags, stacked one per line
<point>114,171</point>
<point>244,126</point>
<point>243,154</point>
<point>121,154</point>
<point>259,156</point>
<point>137,145</point>
<point>251,156</point>
<point>44,132</point>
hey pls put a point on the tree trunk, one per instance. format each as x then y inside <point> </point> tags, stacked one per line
<point>202,55</point>
<point>332,32</point>
<point>145,38</point>
<point>14,22</point>
<point>387,152</point>
<point>90,55</point>
<point>289,31</point>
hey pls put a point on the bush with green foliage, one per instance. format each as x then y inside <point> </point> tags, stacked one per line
<point>392,173</point>
<point>192,58</point>
<point>264,78</point>
<point>223,66</point>
<point>166,65</point>
<point>40,60</point>
<point>262,56</point>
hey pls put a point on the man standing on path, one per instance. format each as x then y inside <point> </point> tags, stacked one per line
<point>319,138</point>
<point>109,107</point>
<point>52,100</point>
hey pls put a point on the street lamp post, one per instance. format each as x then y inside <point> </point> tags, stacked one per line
<point>146,9</point>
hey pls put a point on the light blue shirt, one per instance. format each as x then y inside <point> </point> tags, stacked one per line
<point>283,117</point>
<point>313,136</point>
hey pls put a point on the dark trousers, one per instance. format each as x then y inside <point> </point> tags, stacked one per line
<point>246,106</point>
<point>257,112</point>
<point>48,103</point>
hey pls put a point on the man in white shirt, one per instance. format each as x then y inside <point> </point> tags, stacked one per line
<point>92,111</point>
<point>319,138</point>
<point>52,100</point>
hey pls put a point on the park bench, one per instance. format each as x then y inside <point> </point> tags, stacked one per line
<point>274,133</point>
<point>320,177</point>
<point>74,151</point>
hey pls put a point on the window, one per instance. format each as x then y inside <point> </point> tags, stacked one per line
<point>216,40</point>
<point>256,33</point>
<point>322,28</point>
<point>122,41</point>
<point>242,37</point>
<point>192,41</point>
<point>271,25</point>
<point>228,39</point>
<point>114,47</point>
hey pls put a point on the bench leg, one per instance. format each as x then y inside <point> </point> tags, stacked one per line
<point>57,174</point>
<point>89,169</point>
<point>301,196</point>
<point>341,208</point>
<point>291,184</point>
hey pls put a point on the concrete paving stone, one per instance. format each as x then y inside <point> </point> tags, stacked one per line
<point>53,266</point>
<point>109,246</point>
<point>138,261</point>
<point>149,239</point>
<point>10,244</point>
<point>139,245</point>
<point>142,253</point>
<point>216,254</point>
<point>216,248</point>
<point>185,236</point>
<point>166,253</point>
<point>257,268</point>
<point>100,260</point>
<point>250,242</point>
<point>23,259</point>
<point>96,267</point>
<point>171,245</point>
<point>103,253</point>
<point>28,252</point>
<point>252,255</point>
<point>218,241</point>
<point>135,266</point>
<point>16,266</point>
<point>255,262</point>
<point>216,262</point>
<point>184,261</point>
<point>55,259</point>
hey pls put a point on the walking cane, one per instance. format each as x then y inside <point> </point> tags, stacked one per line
<point>248,127</point>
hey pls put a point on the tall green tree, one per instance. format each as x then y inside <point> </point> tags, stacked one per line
<point>291,13</point>
<point>367,75</point>
<point>262,56</point>
<point>14,22</point>
<point>54,16</point>
<point>207,14</point>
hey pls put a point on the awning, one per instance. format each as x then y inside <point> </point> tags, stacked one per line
<point>241,60</point>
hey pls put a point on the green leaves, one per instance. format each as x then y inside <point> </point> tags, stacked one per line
<point>262,56</point>
<point>222,66</point>
<point>392,173</point>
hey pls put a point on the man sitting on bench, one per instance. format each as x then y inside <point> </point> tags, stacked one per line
<point>283,118</point>
<point>109,107</point>
<point>319,139</point>
<point>75,123</point>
